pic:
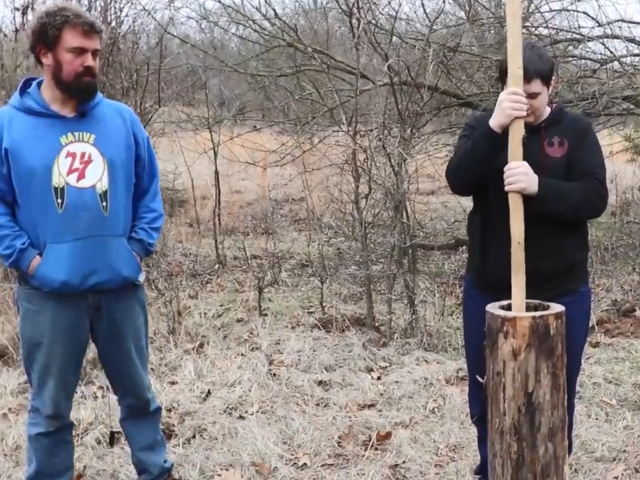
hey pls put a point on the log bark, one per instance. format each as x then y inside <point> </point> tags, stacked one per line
<point>526,392</point>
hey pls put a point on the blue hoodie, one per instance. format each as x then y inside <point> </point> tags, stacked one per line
<point>82,192</point>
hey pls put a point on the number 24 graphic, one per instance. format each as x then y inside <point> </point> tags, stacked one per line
<point>78,164</point>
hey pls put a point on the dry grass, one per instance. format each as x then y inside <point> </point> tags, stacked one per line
<point>255,164</point>
<point>281,394</point>
<point>278,391</point>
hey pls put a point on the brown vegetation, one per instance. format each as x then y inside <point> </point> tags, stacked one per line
<point>305,295</point>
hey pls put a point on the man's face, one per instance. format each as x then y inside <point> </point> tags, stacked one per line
<point>73,65</point>
<point>538,97</point>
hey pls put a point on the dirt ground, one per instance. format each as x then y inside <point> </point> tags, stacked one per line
<point>291,396</point>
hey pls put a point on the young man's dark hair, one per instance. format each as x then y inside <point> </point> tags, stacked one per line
<point>536,62</point>
<point>48,25</point>
<point>563,181</point>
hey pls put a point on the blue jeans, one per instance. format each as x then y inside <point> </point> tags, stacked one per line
<point>54,335</point>
<point>578,313</point>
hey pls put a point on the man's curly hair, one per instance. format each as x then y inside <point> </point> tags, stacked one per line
<point>49,23</point>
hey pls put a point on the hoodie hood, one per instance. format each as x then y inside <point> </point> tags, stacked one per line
<point>28,99</point>
<point>556,115</point>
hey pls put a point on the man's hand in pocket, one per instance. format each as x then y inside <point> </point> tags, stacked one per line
<point>34,264</point>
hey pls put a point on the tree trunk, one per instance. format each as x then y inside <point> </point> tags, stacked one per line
<point>526,392</point>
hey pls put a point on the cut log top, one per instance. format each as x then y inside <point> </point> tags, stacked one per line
<point>535,308</point>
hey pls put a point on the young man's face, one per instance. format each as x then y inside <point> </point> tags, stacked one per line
<point>73,65</point>
<point>538,97</point>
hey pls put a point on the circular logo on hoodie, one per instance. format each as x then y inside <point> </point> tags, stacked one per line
<point>81,164</point>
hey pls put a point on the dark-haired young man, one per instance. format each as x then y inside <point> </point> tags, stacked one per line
<point>80,208</point>
<point>563,181</point>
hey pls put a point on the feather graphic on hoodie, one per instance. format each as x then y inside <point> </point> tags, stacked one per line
<point>59,187</point>
<point>102,189</point>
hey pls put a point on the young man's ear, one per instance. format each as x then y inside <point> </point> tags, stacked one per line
<point>554,86</point>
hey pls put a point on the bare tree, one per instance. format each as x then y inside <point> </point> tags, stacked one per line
<point>381,88</point>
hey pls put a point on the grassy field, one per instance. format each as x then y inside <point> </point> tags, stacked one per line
<point>302,394</point>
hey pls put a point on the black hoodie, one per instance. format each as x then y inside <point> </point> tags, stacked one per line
<point>565,153</point>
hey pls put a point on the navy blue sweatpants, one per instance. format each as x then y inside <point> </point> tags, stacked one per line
<point>578,312</point>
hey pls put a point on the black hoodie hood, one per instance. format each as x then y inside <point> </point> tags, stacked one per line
<point>557,114</point>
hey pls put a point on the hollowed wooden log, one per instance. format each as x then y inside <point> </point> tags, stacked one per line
<point>526,392</point>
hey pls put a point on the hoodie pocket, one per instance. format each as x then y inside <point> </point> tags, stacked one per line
<point>94,263</point>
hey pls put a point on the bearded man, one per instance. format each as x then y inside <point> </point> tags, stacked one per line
<point>80,209</point>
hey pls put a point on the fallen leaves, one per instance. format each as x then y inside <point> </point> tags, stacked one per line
<point>375,441</point>
<point>13,412</point>
<point>383,437</point>
<point>169,427</point>
<point>440,463</point>
<point>80,475</point>
<point>616,473</point>
<point>242,412</point>
<point>5,351</point>
<point>230,474</point>
<point>176,428</point>
<point>262,468</point>
<point>594,342</point>
<point>621,320</point>
<point>248,411</point>
<point>324,383</point>
<point>346,439</point>
<point>341,323</point>
<point>458,379</point>
<point>198,347</point>
<point>98,391</point>
<point>304,460</point>
<point>360,407</point>
<point>9,348</point>
<point>279,361</point>
<point>378,372</point>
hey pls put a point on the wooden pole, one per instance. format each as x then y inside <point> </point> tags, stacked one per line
<point>526,392</point>
<point>516,134</point>
<point>525,382</point>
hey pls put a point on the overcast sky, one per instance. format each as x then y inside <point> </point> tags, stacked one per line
<point>612,9</point>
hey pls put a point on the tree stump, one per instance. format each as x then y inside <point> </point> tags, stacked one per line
<point>526,392</point>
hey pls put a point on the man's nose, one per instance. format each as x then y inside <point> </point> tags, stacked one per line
<point>89,61</point>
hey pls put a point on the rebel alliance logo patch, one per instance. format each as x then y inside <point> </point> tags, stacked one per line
<point>556,147</point>
<point>80,165</point>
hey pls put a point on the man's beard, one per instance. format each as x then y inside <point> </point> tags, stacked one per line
<point>83,87</point>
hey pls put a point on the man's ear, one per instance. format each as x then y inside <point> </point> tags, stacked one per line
<point>45,57</point>
<point>554,86</point>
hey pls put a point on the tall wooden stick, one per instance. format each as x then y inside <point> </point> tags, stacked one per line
<point>525,347</point>
<point>516,134</point>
